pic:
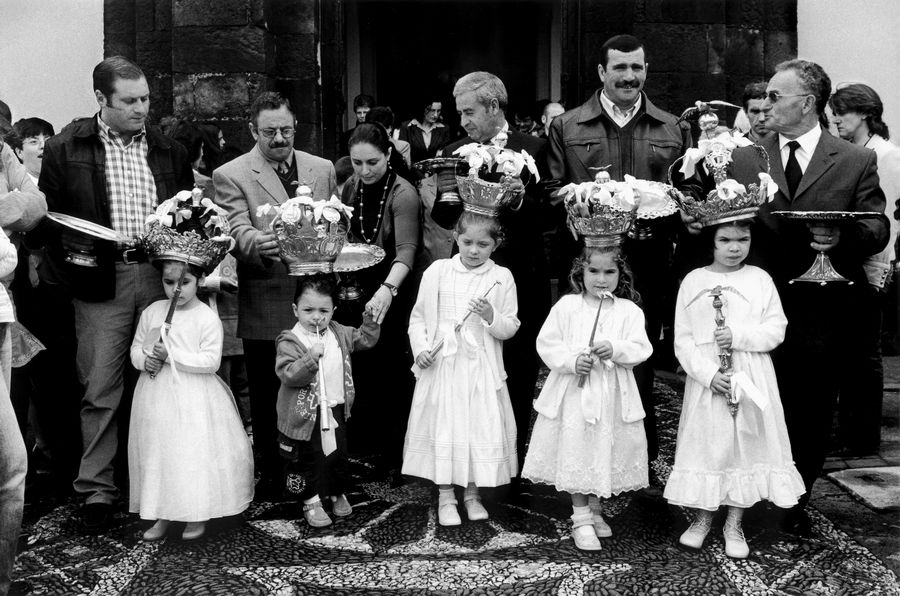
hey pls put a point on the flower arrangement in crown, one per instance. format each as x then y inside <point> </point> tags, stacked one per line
<point>495,159</point>
<point>188,227</point>
<point>310,233</point>
<point>603,210</point>
<point>492,169</point>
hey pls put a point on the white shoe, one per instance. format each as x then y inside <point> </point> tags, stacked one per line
<point>448,514</point>
<point>585,538</point>
<point>694,536</point>
<point>735,544</point>
<point>157,531</point>
<point>475,510</point>
<point>601,528</point>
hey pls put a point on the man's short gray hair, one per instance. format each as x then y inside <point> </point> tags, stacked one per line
<point>486,87</point>
<point>813,78</point>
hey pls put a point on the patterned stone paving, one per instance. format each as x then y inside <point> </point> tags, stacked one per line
<point>392,545</point>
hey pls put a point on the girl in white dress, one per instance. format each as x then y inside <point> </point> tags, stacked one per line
<point>588,439</point>
<point>189,459</point>
<point>719,458</point>
<point>461,427</point>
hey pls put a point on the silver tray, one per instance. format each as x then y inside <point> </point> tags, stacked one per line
<point>87,227</point>
<point>354,257</point>
<point>827,215</point>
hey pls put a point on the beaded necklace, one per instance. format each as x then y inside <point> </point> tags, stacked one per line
<point>360,192</point>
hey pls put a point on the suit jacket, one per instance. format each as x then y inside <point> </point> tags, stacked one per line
<point>265,289</point>
<point>841,176</point>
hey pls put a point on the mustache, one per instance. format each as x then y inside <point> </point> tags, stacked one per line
<point>627,85</point>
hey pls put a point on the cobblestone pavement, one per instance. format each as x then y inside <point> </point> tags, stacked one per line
<point>392,544</point>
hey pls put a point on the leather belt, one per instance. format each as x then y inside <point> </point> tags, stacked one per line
<point>131,256</point>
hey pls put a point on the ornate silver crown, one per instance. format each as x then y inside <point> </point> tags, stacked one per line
<point>188,228</point>
<point>483,197</point>
<point>310,233</point>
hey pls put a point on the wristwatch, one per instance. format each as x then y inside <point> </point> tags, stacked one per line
<point>391,288</point>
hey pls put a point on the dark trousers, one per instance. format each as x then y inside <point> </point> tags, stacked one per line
<point>862,382</point>
<point>323,475</point>
<point>810,365</point>
<point>259,357</point>
<point>521,362</point>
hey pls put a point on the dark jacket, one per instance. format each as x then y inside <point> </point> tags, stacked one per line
<point>412,134</point>
<point>73,176</point>
<point>586,137</point>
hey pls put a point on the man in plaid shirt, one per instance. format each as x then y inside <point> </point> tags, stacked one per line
<point>111,169</point>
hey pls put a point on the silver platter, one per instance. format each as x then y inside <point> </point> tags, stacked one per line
<point>354,257</point>
<point>87,227</point>
<point>827,215</point>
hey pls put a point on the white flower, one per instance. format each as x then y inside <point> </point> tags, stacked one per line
<point>291,211</point>
<point>304,190</point>
<point>182,195</point>
<point>264,209</point>
<point>730,189</point>
<point>767,185</point>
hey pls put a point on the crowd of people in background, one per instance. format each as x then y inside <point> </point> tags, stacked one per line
<point>71,336</point>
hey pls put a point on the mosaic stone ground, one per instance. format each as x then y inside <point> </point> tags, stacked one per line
<point>392,545</point>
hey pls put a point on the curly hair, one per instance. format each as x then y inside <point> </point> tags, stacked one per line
<point>625,288</point>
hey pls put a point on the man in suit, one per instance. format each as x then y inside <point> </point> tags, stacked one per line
<point>619,129</point>
<point>481,101</point>
<point>814,172</point>
<point>266,175</point>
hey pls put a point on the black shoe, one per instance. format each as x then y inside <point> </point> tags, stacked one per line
<point>96,518</point>
<point>796,522</point>
<point>20,588</point>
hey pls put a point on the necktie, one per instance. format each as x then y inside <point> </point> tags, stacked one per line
<point>283,168</point>
<point>792,171</point>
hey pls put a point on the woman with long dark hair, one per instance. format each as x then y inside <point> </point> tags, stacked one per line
<point>386,213</point>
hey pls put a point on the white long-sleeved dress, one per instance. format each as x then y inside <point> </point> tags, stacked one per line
<point>189,458</point>
<point>719,459</point>
<point>590,439</point>
<point>461,425</point>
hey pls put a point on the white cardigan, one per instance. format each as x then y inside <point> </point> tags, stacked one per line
<point>423,320</point>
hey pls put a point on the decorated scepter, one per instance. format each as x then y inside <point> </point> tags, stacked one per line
<point>725,364</point>
<point>324,422</point>
<point>460,323</point>
<point>602,295</point>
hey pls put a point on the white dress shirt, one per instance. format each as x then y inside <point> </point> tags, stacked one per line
<point>808,142</point>
<point>619,116</point>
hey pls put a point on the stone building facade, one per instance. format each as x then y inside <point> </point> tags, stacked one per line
<point>207,59</point>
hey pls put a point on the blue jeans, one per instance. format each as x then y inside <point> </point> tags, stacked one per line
<point>13,465</point>
<point>104,331</point>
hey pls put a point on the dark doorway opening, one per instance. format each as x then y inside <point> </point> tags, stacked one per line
<point>410,50</point>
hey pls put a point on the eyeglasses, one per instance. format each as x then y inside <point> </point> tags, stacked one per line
<point>269,133</point>
<point>774,96</point>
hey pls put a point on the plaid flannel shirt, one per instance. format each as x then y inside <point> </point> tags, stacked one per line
<point>129,181</point>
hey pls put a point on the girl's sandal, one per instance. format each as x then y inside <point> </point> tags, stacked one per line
<point>315,516</point>
<point>583,533</point>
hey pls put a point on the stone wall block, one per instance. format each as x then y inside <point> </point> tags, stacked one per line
<point>781,14</point>
<point>295,56</point>
<point>163,15</point>
<point>716,45</point>
<point>744,52</point>
<point>753,14</point>
<point>780,46</point>
<point>610,14</point>
<point>687,88</point>
<point>118,28</point>
<point>205,97</point>
<point>292,16</point>
<point>233,49</point>
<point>674,48</point>
<point>692,11</point>
<point>154,51</point>
<point>160,96</point>
<point>304,96</point>
<point>144,15</point>
<point>203,13</point>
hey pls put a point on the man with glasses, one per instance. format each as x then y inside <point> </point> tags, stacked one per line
<point>268,174</point>
<point>814,172</point>
<point>112,169</point>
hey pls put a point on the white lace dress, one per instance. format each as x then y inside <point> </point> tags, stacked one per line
<point>590,439</point>
<point>461,425</point>
<point>721,460</point>
<point>189,458</point>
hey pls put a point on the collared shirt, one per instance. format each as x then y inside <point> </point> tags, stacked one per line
<point>426,132</point>
<point>276,164</point>
<point>808,142</point>
<point>504,129</point>
<point>130,187</point>
<point>619,116</point>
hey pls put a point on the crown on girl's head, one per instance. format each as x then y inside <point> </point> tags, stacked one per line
<point>603,211</point>
<point>478,193</point>
<point>310,233</point>
<point>188,228</point>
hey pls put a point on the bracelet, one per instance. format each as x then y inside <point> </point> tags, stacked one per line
<point>391,288</point>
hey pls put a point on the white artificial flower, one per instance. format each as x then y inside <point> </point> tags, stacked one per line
<point>730,189</point>
<point>768,184</point>
<point>291,211</point>
<point>264,209</point>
